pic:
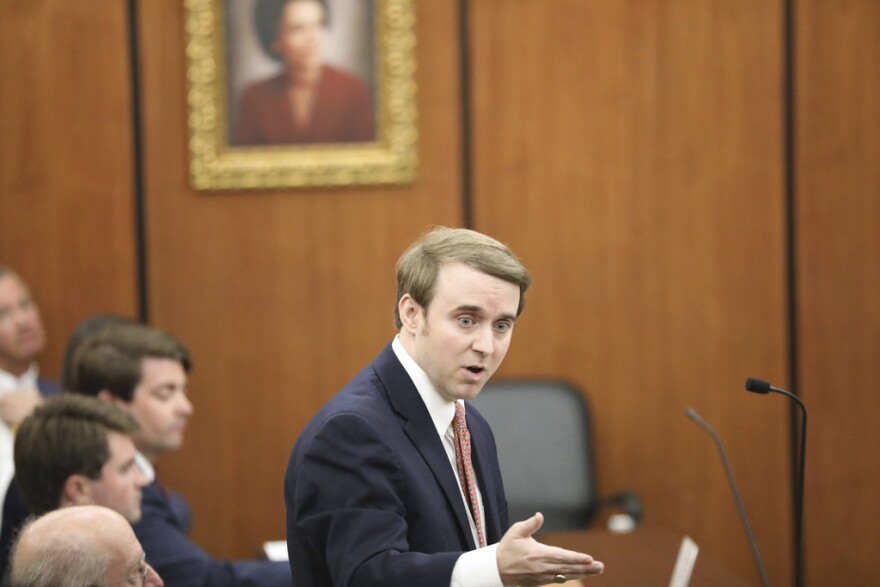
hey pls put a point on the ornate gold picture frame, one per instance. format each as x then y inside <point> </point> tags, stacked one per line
<point>246,127</point>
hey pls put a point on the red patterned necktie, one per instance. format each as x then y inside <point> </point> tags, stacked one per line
<point>466,467</point>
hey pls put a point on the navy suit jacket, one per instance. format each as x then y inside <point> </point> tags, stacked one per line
<point>47,387</point>
<point>371,497</point>
<point>162,531</point>
<point>15,514</point>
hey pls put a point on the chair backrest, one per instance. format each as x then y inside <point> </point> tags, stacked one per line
<point>542,429</point>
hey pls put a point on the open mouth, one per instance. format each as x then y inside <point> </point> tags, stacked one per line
<point>476,370</point>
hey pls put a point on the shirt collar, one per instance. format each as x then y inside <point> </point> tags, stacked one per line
<point>28,380</point>
<point>145,466</point>
<point>441,410</point>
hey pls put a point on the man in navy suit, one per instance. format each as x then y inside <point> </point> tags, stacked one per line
<point>144,371</point>
<point>22,338</point>
<point>376,494</point>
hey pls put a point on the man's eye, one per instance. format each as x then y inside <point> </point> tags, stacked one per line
<point>466,321</point>
<point>503,326</point>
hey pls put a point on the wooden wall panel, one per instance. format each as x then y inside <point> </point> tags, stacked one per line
<point>838,220</point>
<point>66,219</point>
<point>283,296</point>
<point>631,153</point>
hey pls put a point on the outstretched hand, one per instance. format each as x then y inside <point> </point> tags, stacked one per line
<point>523,561</point>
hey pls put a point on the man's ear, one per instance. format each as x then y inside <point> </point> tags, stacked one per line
<point>77,490</point>
<point>106,396</point>
<point>409,312</point>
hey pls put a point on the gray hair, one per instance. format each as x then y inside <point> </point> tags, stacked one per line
<point>63,563</point>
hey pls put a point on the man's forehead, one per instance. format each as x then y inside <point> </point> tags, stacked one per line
<point>121,443</point>
<point>161,370</point>
<point>11,282</point>
<point>478,293</point>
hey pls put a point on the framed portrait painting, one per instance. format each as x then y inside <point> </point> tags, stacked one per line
<point>293,93</point>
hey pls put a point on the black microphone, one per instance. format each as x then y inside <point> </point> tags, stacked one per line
<point>693,415</point>
<point>761,386</point>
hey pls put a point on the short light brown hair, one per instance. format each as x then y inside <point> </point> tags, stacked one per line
<point>65,436</point>
<point>418,267</point>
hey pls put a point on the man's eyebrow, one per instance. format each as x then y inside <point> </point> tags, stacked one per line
<point>138,562</point>
<point>479,310</point>
<point>167,384</point>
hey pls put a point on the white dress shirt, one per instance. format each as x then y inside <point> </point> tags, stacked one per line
<point>145,466</point>
<point>476,568</point>
<point>9,383</point>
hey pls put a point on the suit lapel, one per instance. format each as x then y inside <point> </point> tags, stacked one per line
<point>47,387</point>
<point>419,428</point>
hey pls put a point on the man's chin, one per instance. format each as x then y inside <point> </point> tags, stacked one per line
<point>28,353</point>
<point>167,446</point>
<point>469,391</point>
<point>174,446</point>
<point>174,441</point>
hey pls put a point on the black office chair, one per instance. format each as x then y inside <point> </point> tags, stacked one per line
<point>545,448</point>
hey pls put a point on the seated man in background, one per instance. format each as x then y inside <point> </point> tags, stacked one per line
<point>85,545</point>
<point>22,338</point>
<point>143,370</point>
<point>74,450</point>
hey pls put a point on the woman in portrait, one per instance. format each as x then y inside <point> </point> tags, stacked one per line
<point>309,101</point>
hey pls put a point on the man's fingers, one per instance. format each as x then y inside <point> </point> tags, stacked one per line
<point>555,557</point>
<point>526,528</point>
<point>524,561</point>
<point>573,575</point>
<point>594,568</point>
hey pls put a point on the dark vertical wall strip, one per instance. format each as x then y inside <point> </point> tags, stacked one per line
<point>140,229</point>
<point>791,281</point>
<point>466,127</point>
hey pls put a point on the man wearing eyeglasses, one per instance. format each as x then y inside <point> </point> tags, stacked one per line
<point>83,545</point>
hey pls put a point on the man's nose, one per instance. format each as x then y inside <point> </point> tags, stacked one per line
<point>153,579</point>
<point>22,317</point>
<point>484,340</point>
<point>184,406</point>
